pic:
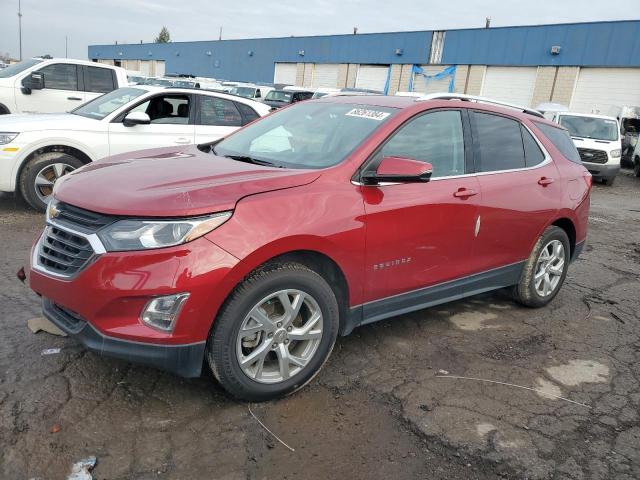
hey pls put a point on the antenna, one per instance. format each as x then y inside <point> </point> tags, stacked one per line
<point>20,27</point>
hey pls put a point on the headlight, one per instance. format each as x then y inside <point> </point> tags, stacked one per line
<point>616,153</point>
<point>7,137</point>
<point>144,234</point>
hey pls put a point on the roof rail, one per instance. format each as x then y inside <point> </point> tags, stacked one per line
<point>473,98</point>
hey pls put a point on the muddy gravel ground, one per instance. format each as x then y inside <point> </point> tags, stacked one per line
<point>379,409</point>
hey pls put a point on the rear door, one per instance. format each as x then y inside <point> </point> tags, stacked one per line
<point>61,92</point>
<point>172,123</point>
<point>421,234</point>
<point>520,190</point>
<point>98,81</point>
<point>216,118</point>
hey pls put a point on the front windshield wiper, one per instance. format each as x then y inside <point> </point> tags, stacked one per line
<point>255,161</point>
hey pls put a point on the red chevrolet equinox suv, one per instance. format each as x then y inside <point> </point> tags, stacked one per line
<point>254,253</point>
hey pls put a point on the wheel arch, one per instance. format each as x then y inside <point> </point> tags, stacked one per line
<point>58,147</point>
<point>569,228</point>
<point>4,110</point>
<point>315,259</point>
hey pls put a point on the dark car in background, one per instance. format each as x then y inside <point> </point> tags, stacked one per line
<point>281,98</point>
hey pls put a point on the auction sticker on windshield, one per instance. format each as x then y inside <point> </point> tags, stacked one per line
<point>365,113</point>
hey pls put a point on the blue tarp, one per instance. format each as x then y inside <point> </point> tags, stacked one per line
<point>447,72</point>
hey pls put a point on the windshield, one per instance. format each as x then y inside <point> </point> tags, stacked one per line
<point>247,92</point>
<point>315,135</point>
<point>108,103</point>
<point>279,96</point>
<point>590,127</point>
<point>16,68</point>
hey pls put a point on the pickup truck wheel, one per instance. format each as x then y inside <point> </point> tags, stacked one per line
<point>545,269</point>
<point>608,181</point>
<point>41,173</point>
<point>636,167</point>
<point>274,333</point>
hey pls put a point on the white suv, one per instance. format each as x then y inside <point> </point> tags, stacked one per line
<point>598,140</point>
<point>55,84</point>
<point>35,150</point>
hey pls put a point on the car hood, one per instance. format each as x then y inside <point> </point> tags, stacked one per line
<point>171,182</point>
<point>28,122</point>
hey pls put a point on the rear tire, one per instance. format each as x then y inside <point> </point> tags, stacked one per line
<point>545,269</point>
<point>609,181</point>
<point>258,351</point>
<point>40,169</point>
<point>636,167</point>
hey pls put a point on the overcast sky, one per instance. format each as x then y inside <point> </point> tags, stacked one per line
<point>45,23</point>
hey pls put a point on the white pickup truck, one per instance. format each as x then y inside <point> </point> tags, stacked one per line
<point>47,85</point>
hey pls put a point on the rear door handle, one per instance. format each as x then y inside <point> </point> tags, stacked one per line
<point>74,98</point>
<point>544,181</point>
<point>183,141</point>
<point>464,193</point>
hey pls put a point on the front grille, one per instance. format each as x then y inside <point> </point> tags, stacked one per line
<point>80,219</point>
<point>62,252</point>
<point>593,156</point>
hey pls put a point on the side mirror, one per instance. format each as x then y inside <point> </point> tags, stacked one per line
<point>399,170</point>
<point>33,81</point>
<point>136,118</point>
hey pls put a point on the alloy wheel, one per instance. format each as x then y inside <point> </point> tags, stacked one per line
<point>279,336</point>
<point>549,268</point>
<point>47,177</point>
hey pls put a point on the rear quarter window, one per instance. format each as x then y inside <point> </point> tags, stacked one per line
<point>561,140</point>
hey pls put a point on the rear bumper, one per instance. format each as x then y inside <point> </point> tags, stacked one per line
<point>183,360</point>
<point>598,170</point>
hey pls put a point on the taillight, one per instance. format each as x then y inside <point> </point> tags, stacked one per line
<point>588,178</point>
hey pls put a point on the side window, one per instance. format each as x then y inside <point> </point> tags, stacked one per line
<point>218,112</point>
<point>98,80</point>
<point>435,137</point>
<point>248,113</point>
<point>561,140</point>
<point>60,76</point>
<point>498,143</point>
<point>532,154</point>
<point>166,109</point>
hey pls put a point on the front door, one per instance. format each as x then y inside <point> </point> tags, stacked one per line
<point>61,91</point>
<point>217,117</point>
<point>171,125</point>
<point>421,234</point>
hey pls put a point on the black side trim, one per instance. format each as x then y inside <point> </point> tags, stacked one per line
<point>431,296</point>
<point>183,360</point>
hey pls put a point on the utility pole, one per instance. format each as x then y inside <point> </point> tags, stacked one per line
<point>20,27</point>
<point>220,36</point>
<point>66,46</point>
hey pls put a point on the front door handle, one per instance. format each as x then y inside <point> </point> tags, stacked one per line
<point>464,193</point>
<point>74,98</point>
<point>544,181</point>
<point>183,141</point>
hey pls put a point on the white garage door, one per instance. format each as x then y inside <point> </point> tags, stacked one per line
<point>145,67</point>
<point>285,73</point>
<point>325,75</point>
<point>603,90</point>
<point>160,68</point>
<point>510,84</point>
<point>373,77</point>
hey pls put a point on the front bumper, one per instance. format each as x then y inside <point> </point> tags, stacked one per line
<point>107,297</point>
<point>9,157</point>
<point>598,170</point>
<point>183,360</point>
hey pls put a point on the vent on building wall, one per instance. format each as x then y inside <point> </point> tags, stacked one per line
<point>437,46</point>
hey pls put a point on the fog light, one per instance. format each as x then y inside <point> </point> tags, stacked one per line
<point>161,312</point>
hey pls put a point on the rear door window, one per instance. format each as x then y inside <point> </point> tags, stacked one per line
<point>218,112</point>
<point>561,140</point>
<point>98,80</point>
<point>498,143</point>
<point>60,76</point>
<point>248,113</point>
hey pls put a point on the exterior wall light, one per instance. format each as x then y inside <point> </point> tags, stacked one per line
<point>399,51</point>
<point>209,53</point>
<point>301,53</point>
<point>150,54</point>
<point>555,50</point>
<point>250,53</point>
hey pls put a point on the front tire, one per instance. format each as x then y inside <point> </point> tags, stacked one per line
<point>41,173</point>
<point>545,269</point>
<point>274,333</point>
<point>608,181</point>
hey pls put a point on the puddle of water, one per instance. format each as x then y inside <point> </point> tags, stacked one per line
<point>579,371</point>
